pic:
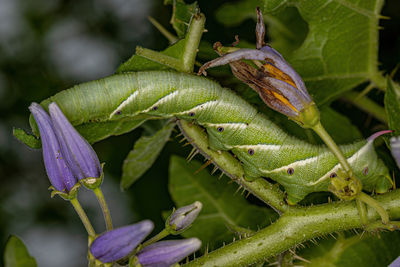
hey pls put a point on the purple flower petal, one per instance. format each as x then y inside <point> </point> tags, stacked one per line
<point>79,154</point>
<point>395,147</point>
<point>57,169</point>
<point>166,253</point>
<point>119,243</point>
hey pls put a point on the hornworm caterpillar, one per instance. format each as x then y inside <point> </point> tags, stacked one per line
<point>231,124</point>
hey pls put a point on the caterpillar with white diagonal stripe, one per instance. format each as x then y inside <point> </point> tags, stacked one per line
<point>125,100</point>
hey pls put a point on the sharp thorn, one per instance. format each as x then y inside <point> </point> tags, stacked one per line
<point>208,162</point>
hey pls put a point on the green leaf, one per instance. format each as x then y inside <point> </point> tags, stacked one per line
<point>144,154</point>
<point>368,251</point>
<point>181,15</point>
<point>285,30</point>
<point>392,106</point>
<point>139,63</point>
<point>224,210</point>
<point>17,255</point>
<point>26,138</point>
<point>336,55</point>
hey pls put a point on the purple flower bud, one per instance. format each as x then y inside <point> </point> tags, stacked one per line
<point>183,217</point>
<point>166,253</point>
<point>119,243</point>
<point>78,153</point>
<point>395,263</point>
<point>58,171</point>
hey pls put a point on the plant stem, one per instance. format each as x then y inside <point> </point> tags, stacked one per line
<point>82,215</point>
<point>265,191</point>
<point>103,204</point>
<point>374,204</point>
<point>192,40</point>
<point>193,37</point>
<point>320,130</point>
<point>171,38</point>
<point>155,238</point>
<point>362,211</point>
<point>295,227</point>
<point>367,105</point>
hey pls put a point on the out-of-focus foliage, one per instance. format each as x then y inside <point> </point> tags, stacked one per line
<point>225,214</point>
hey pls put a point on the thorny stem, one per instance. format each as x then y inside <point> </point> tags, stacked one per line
<point>261,188</point>
<point>82,215</point>
<point>295,227</point>
<point>367,105</point>
<point>103,204</point>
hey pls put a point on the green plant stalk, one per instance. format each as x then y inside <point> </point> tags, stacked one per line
<point>320,130</point>
<point>82,215</point>
<point>367,105</point>
<point>170,37</point>
<point>155,238</point>
<point>295,227</point>
<point>262,189</point>
<point>186,62</point>
<point>104,207</point>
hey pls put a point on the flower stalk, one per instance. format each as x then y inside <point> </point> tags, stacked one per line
<point>82,215</point>
<point>104,207</point>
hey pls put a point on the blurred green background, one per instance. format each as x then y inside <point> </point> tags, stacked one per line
<point>49,45</point>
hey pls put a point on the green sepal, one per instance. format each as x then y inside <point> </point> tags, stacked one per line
<point>308,117</point>
<point>134,262</point>
<point>66,196</point>
<point>344,187</point>
<point>28,139</point>
<point>92,183</point>
<point>172,228</point>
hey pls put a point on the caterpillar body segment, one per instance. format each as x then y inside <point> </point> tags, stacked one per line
<point>231,124</point>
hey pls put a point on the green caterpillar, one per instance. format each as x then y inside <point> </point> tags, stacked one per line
<point>231,124</point>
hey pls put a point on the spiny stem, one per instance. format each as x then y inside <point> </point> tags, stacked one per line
<point>103,204</point>
<point>367,105</point>
<point>374,204</point>
<point>82,215</point>
<point>283,234</point>
<point>155,238</point>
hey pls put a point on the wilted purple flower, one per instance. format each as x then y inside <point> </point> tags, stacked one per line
<point>166,253</point>
<point>395,146</point>
<point>77,151</point>
<point>183,217</point>
<point>119,243</point>
<point>271,76</point>
<point>59,173</point>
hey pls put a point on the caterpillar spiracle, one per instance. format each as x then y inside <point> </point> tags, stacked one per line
<point>231,123</point>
